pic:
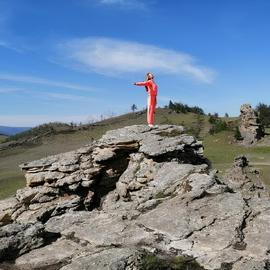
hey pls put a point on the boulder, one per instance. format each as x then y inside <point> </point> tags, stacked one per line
<point>17,239</point>
<point>250,127</point>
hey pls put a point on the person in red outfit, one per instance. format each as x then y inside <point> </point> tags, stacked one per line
<point>152,90</point>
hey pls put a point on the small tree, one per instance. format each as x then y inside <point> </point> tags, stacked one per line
<point>264,113</point>
<point>197,110</point>
<point>179,107</point>
<point>226,115</point>
<point>171,105</point>
<point>212,119</point>
<point>133,107</point>
<point>218,124</point>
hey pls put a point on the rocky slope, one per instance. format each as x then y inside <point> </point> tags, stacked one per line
<point>137,193</point>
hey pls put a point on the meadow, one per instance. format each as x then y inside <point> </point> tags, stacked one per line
<point>220,148</point>
<point>2,138</point>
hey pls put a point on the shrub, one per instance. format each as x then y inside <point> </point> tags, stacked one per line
<point>237,134</point>
<point>153,262</point>
<point>212,119</point>
<point>184,108</point>
<point>218,124</point>
<point>264,113</point>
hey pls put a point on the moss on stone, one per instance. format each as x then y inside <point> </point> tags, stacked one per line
<point>154,262</point>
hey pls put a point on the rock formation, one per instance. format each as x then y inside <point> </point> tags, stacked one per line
<point>136,191</point>
<point>250,128</point>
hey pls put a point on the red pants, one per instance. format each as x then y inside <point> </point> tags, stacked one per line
<point>151,108</point>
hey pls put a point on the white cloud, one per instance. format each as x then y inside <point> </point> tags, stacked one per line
<point>129,4</point>
<point>114,57</point>
<point>42,81</point>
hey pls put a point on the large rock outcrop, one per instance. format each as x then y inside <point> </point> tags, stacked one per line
<point>136,191</point>
<point>250,128</point>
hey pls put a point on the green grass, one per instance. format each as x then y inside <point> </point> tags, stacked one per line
<point>11,181</point>
<point>2,138</point>
<point>267,130</point>
<point>217,147</point>
<point>153,262</point>
<point>221,151</point>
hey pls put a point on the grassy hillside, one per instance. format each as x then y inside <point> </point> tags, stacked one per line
<point>2,138</point>
<point>221,150</point>
<point>61,138</point>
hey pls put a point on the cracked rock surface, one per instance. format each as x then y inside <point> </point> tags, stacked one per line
<point>135,190</point>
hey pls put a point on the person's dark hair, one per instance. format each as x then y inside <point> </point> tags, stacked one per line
<point>148,75</point>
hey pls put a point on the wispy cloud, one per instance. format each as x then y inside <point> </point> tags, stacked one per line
<point>42,81</point>
<point>7,45</point>
<point>114,57</point>
<point>128,4</point>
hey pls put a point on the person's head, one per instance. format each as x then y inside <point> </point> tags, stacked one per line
<point>149,76</point>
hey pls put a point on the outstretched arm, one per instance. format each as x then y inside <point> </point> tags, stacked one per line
<point>146,83</point>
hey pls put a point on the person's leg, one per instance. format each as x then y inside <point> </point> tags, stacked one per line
<point>152,108</point>
<point>148,109</point>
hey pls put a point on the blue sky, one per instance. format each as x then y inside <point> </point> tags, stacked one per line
<point>75,60</point>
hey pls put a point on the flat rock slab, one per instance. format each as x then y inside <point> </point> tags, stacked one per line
<point>89,229</point>
<point>110,259</point>
<point>49,257</point>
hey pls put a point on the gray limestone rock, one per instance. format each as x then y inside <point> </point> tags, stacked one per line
<point>109,259</point>
<point>137,188</point>
<point>250,128</point>
<point>17,239</point>
<point>7,208</point>
<point>51,257</point>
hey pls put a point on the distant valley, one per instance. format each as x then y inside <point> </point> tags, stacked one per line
<point>9,131</point>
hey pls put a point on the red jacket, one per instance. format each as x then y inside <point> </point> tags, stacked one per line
<point>150,86</point>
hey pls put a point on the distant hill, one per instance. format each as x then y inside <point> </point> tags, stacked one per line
<point>9,131</point>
